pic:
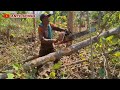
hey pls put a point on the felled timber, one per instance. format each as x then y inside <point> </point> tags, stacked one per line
<point>68,51</point>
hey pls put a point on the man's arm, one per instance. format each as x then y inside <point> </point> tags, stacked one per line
<point>43,39</point>
<point>57,28</point>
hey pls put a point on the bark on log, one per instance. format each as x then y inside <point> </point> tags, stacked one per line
<point>70,37</point>
<point>3,75</point>
<point>67,51</point>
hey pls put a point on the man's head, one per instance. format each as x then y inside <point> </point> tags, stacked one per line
<point>45,18</point>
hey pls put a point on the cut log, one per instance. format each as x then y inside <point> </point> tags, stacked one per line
<point>3,75</point>
<point>68,51</point>
<point>70,37</point>
<point>78,35</point>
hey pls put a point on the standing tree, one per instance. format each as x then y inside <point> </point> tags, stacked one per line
<point>80,24</point>
<point>34,25</point>
<point>91,61</point>
<point>54,16</point>
<point>70,24</point>
<point>99,19</point>
<point>63,13</point>
<point>70,18</point>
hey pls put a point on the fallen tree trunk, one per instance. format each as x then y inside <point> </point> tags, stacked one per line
<point>67,51</point>
<point>79,34</point>
<point>3,75</point>
<point>71,36</point>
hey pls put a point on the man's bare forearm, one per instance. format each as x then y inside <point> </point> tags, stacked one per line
<point>44,40</point>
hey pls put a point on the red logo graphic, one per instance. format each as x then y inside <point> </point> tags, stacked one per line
<point>6,15</point>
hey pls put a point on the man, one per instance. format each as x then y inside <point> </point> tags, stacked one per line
<point>45,36</point>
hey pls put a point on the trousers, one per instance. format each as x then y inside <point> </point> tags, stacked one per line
<point>47,50</point>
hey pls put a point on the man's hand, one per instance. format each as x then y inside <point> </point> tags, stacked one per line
<point>62,38</point>
<point>55,41</point>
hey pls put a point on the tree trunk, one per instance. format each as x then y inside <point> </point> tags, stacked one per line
<point>68,51</point>
<point>87,20</point>
<point>91,61</point>
<point>34,29</point>
<point>80,24</point>
<point>8,35</point>
<point>70,20</point>
<point>54,16</point>
<point>70,24</point>
<point>34,25</point>
<point>99,19</point>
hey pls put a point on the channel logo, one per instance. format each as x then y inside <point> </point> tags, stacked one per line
<point>5,15</point>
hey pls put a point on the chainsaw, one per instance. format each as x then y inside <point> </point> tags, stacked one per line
<point>63,37</point>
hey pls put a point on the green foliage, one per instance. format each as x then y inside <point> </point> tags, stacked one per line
<point>47,12</point>
<point>113,21</point>
<point>112,40</point>
<point>19,72</point>
<point>116,57</point>
<point>25,26</point>
<point>52,18</point>
<point>102,40</point>
<point>16,73</point>
<point>59,16</point>
<point>4,21</point>
<point>117,54</point>
<point>115,60</point>
<point>54,68</point>
<point>107,42</point>
<point>101,72</point>
<point>15,67</point>
<point>63,75</point>
<point>109,38</point>
<point>108,45</point>
<point>63,13</point>
<point>10,76</point>
<point>57,66</point>
<point>52,75</point>
<point>94,15</point>
<point>18,27</point>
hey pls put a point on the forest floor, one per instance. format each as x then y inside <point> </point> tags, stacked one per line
<point>75,66</point>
